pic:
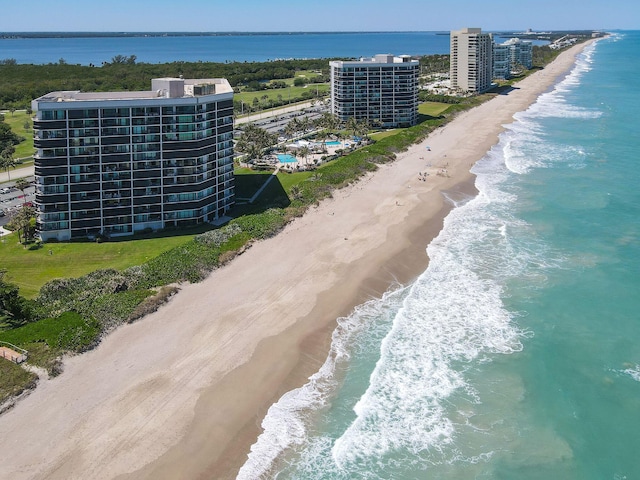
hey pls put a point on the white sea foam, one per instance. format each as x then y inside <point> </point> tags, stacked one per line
<point>554,103</point>
<point>633,372</point>
<point>286,422</point>
<point>451,319</point>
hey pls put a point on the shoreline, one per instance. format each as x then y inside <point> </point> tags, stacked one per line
<point>159,398</point>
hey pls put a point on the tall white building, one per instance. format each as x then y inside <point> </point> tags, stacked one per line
<point>471,60</point>
<point>381,89</point>
<point>118,162</point>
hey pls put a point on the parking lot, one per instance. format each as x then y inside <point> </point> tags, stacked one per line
<point>277,123</point>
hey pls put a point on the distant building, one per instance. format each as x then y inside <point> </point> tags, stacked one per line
<point>118,162</point>
<point>501,62</point>
<point>382,89</point>
<point>510,56</point>
<point>471,60</point>
<point>520,52</point>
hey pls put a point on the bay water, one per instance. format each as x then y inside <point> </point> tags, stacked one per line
<point>230,47</point>
<point>516,354</point>
<point>220,48</point>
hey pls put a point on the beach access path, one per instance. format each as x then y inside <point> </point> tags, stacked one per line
<point>181,393</point>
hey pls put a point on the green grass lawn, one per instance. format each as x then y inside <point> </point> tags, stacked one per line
<point>285,93</point>
<point>288,180</point>
<point>383,134</point>
<point>433,109</point>
<point>30,269</point>
<point>16,122</point>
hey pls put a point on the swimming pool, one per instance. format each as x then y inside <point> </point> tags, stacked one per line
<point>286,158</point>
<point>332,144</point>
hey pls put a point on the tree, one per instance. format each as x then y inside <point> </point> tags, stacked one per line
<point>294,126</point>
<point>6,159</point>
<point>124,60</point>
<point>21,184</point>
<point>254,140</point>
<point>21,222</point>
<point>353,125</point>
<point>305,124</point>
<point>304,153</point>
<point>7,136</point>
<point>329,121</point>
<point>296,192</point>
<point>363,128</point>
<point>15,309</point>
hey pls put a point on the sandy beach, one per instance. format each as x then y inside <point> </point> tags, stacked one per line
<point>181,393</point>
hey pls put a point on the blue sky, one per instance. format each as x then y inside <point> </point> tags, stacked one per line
<point>318,15</point>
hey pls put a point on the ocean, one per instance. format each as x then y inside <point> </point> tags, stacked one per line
<point>515,354</point>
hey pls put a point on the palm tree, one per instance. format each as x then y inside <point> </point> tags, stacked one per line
<point>363,128</point>
<point>294,125</point>
<point>21,184</point>
<point>296,192</point>
<point>304,124</point>
<point>329,121</point>
<point>352,124</point>
<point>6,159</point>
<point>289,129</point>
<point>322,135</point>
<point>304,153</point>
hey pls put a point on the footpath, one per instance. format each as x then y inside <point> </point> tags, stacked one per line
<point>17,173</point>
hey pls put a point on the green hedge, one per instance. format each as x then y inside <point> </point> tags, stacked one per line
<point>68,332</point>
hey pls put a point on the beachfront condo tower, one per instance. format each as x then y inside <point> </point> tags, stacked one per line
<point>511,57</point>
<point>113,163</point>
<point>471,60</point>
<point>382,90</point>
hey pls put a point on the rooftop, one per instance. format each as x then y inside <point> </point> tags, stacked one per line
<point>384,58</point>
<point>160,88</point>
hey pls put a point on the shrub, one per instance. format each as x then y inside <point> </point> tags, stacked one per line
<point>262,225</point>
<point>217,237</point>
<point>67,332</point>
<point>152,303</point>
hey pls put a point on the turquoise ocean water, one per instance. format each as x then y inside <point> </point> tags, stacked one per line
<point>515,355</point>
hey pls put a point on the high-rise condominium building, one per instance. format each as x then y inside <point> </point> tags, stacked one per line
<point>118,162</point>
<point>501,62</point>
<point>520,52</point>
<point>471,60</point>
<point>511,56</point>
<point>380,90</point>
